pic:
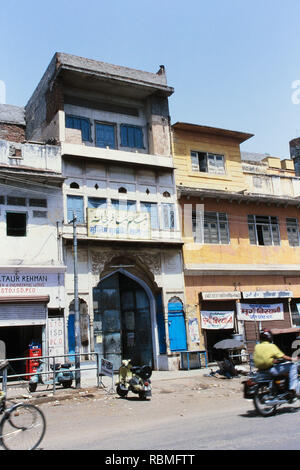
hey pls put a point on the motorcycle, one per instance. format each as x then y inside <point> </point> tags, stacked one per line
<point>62,376</point>
<point>135,379</point>
<point>268,392</point>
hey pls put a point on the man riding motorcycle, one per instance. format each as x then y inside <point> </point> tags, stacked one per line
<point>266,357</point>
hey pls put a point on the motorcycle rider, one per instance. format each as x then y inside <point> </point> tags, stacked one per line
<point>266,357</point>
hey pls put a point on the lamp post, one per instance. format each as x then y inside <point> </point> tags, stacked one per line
<point>76,305</point>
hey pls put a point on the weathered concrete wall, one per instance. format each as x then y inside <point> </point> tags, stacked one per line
<point>159,135</point>
<point>36,108</point>
<point>46,157</point>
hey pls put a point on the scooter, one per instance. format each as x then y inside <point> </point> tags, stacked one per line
<point>135,379</point>
<point>62,376</point>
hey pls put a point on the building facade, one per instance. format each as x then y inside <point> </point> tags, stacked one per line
<point>113,127</point>
<point>32,272</point>
<point>241,236</point>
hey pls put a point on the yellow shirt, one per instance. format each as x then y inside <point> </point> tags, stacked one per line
<point>264,353</point>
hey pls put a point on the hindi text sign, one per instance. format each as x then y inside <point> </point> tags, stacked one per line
<point>261,312</point>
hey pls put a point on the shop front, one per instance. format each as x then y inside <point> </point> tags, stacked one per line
<point>134,299</point>
<point>28,301</point>
<point>122,320</point>
<point>218,311</point>
<point>266,309</point>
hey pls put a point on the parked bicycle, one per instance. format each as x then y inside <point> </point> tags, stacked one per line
<point>22,426</point>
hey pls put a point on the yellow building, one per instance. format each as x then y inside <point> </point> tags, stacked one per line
<point>241,237</point>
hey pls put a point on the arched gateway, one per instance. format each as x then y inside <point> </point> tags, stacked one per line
<point>124,317</point>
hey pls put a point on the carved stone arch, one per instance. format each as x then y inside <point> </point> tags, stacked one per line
<point>132,264</point>
<point>174,299</point>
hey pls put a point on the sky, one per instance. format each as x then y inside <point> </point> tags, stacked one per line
<point>234,64</point>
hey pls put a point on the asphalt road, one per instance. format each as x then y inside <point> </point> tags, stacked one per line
<point>182,417</point>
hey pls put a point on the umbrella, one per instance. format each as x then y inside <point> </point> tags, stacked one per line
<point>229,344</point>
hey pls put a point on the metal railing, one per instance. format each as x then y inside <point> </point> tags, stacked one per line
<point>51,362</point>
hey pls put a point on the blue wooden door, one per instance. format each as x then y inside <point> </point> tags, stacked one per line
<point>75,203</point>
<point>105,136</point>
<point>176,321</point>
<point>71,336</point>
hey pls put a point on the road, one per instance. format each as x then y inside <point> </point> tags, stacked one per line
<point>187,416</point>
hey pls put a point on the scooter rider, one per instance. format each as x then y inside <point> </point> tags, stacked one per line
<point>266,356</point>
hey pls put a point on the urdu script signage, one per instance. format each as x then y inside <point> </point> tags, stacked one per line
<point>108,223</point>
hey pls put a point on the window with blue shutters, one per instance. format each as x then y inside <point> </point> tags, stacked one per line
<point>97,202</point>
<point>83,124</point>
<point>105,135</point>
<point>123,205</point>
<point>151,208</point>
<point>75,203</point>
<point>131,136</point>
<point>168,214</point>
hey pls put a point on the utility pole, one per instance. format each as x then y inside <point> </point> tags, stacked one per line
<point>76,305</point>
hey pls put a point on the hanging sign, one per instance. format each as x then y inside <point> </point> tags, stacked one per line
<point>107,223</point>
<point>221,295</point>
<point>267,294</point>
<point>217,320</point>
<point>261,312</point>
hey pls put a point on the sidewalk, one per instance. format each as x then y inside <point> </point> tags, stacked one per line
<point>18,391</point>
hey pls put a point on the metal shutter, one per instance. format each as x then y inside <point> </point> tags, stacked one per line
<point>31,313</point>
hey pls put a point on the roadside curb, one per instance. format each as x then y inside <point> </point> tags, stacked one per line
<point>83,392</point>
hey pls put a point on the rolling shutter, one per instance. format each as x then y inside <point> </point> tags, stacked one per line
<point>31,313</point>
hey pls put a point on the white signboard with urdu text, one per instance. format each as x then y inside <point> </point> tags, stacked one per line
<point>107,223</point>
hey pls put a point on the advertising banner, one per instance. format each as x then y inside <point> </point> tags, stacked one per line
<point>56,337</point>
<point>261,312</point>
<point>112,223</point>
<point>217,320</point>
<point>106,367</point>
<point>32,284</point>
<point>194,330</point>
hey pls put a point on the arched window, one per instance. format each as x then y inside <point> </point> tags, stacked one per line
<point>122,190</point>
<point>74,185</point>
<point>166,194</point>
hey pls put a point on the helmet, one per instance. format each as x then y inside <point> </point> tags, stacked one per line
<point>266,335</point>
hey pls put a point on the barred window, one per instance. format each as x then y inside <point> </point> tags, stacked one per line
<point>40,214</point>
<point>208,162</point>
<point>292,231</point>
<point>215,228</point>
<point>263,230</point>
<point>38,202</point>
<point>16,201</point>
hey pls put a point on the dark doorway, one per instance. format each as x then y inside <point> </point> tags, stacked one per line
<point>122,321</point>
<point>17,340</point>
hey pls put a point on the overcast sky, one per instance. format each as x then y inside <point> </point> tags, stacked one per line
<point>232,63</point>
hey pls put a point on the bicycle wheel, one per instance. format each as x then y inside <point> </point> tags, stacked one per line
<point>22,427</point>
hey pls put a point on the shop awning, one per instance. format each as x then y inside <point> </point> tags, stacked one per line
<point>280,331</point>
<point>38,298</point>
